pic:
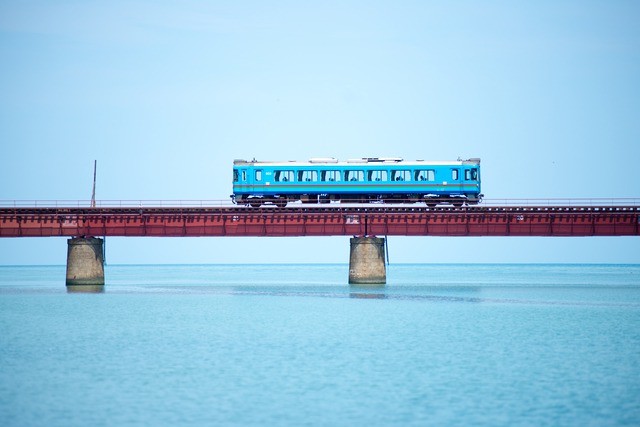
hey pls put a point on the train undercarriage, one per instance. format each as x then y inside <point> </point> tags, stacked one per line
<point>431,201</point>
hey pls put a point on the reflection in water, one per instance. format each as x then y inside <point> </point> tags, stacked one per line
<point>434,294</point>
<point>85,289</point>
<point>367,292</point>
<point>362,295</point>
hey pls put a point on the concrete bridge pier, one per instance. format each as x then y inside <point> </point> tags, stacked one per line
<point>367,261</point>
<point>85,264</point>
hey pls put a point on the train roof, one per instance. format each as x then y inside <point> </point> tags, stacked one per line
<point>370,161</point>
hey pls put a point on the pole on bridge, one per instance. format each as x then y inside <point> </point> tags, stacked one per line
<point>366,261</point>
<point>93,192</point>
<point>85,264</point>
<point>85,257</point>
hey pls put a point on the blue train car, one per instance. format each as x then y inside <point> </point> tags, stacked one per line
<point>389,180</point>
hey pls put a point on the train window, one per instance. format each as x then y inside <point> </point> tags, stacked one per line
<point>244,175</point>
<point>377,175</point>
<point>400,176</point>
<point>235,175</point>
<point>425,175</point>
<point>284,176</point>
<point>471,174</point>
<point>454,174</point>
<point>330,176</point>
<point>307,176</point>
<point>353,175</point>
<point>259,175</point>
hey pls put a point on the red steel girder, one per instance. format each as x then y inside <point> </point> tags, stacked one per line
<point>322,221</point>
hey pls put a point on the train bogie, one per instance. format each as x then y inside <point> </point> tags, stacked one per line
<point>366,180</point>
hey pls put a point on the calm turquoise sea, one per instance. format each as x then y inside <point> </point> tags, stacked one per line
<point>294,345</point>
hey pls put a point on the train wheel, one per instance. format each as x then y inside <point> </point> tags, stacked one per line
<point>255,203</point>
<point>280,202</point>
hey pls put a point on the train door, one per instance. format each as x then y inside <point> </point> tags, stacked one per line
<point>255,178</point>
<point>243,179</point>
<point>240,181</point>
<point>456,182</point>
<point>472,184</point>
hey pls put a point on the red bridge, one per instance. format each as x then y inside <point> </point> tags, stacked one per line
<point>619,218</point>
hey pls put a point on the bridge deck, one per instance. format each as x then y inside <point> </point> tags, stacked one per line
<point>321,220</point>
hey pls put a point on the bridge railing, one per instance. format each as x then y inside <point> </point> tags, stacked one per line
<point>112,203</point>
<point>226,202</point>
<point>596,201</point>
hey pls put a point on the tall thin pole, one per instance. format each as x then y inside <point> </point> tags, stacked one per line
<point>93,193</point>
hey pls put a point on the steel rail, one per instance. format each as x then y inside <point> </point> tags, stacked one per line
<point>312,209</point>
<point>520,202</point>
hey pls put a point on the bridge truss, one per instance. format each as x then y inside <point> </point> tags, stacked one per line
<point>305,220</point>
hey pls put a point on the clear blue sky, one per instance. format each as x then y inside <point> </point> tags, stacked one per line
<point>166,94</point>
